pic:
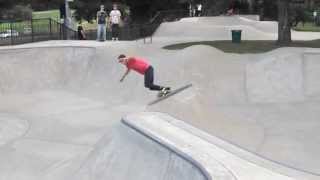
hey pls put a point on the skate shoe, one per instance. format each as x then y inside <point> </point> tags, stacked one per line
<point>164,91</point>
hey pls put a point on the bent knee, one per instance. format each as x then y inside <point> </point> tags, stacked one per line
<point>147,86</point>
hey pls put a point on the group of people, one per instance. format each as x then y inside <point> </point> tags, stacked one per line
<point>195,10</point>
<point>112,21</point>
<point>105,21</point>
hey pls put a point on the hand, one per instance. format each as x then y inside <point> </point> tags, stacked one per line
<point>121,80</point>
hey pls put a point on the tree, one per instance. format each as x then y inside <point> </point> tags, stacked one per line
<point>42,5</point>
<point>4,6</point>
<point>19,12</point>
<point>86,9</point>
<point>15,10</point>
<point>145,9</point>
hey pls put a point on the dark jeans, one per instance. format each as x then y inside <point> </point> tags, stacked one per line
<point>148,80</point>
<point>115,30</point>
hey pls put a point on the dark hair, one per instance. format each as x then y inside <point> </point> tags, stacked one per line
<point>121,56</point>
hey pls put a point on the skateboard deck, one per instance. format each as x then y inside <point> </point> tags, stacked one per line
<point>171,93</point>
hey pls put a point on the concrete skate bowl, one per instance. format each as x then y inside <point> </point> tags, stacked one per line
<point>217,28</point>
<point>265,104</point>
<point>61,105</point>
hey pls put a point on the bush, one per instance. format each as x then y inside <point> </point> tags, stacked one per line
<point>18,12</point>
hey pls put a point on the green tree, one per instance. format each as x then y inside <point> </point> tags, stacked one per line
<point>42,5</point>
<point>87,10</point>
<point>4,6</point>
<point>15,10</point>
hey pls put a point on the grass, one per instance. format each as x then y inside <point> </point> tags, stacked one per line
<point>89,26</point>
<point>245,46</point>
<point>40,22</point>
<point>53,14</point>
<point>308,26</point>
<point>39,25</point>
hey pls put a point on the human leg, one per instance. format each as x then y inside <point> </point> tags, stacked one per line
<point>104,32</point>
<point>148,80</point>
<point>98,33</point>
<point>115,31</point>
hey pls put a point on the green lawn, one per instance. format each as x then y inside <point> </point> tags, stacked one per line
<point>244,46</point>
<point>53,14</point>
<point>89,26</point>
<point>308,26</point>
<point>40,23</point>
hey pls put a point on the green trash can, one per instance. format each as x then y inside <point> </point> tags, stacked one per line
<point>236,36</point>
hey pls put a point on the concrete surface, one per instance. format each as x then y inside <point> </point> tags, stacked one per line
<point>61,104</point>
<point>219,28</point>
<point>132,155</point>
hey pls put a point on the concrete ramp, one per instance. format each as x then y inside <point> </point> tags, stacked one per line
<point>159,147</point>
<point>137,154</point>
<point>219,28</point>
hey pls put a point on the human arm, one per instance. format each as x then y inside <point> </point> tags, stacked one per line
<point>97,19</point>
<point>83,34</point>
<point>125,74</point>
<point>110,18</point>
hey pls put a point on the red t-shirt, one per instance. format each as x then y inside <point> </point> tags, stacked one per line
<point>138,64</point>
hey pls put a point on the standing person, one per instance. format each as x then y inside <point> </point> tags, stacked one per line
<point>81,34</point>
<point>101,20</point>
<point>199,9</point>
<point>115,18</point>
<point>144,68</point>
<point>315,14</point>
<point>190,10</point>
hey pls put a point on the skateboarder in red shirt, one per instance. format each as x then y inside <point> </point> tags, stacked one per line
<point>142,67</point>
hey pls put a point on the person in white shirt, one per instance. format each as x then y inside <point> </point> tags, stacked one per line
<point>315,14</point>
<point>199,9</point>
<point>190,10</point>
<point>115,18</point>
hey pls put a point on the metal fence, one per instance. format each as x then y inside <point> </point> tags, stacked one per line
<point>19,32</point>
<point>127,33</point>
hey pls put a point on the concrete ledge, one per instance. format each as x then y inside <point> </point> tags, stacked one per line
<point>216,162</point>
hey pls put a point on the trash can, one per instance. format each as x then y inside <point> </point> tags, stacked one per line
<point>236,36</point>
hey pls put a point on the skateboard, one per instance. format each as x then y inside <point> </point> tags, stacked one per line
<point>171,93</point>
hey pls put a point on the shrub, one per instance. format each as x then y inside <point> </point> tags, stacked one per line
<point>18,12</point>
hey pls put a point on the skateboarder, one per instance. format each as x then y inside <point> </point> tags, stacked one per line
<point>142,67</point>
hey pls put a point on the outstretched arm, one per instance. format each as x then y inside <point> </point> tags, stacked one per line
<point>125,74</point>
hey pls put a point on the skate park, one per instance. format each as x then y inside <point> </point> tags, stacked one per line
<point>64,114</point>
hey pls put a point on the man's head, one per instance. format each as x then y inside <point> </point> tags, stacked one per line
<point>115,7</point>
<point>102,7</point>
<point>122,59</point>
